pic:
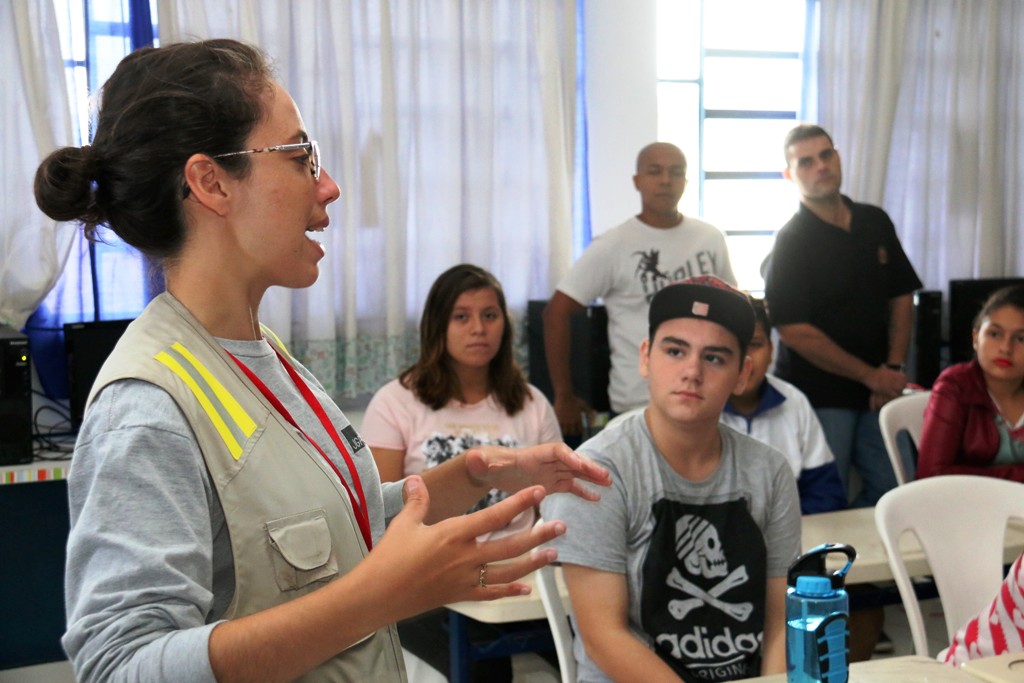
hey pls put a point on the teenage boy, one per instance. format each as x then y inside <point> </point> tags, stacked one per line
<point>776,412</point>
<point>680,571</point>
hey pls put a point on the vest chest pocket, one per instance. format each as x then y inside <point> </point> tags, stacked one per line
<point>301,549</point>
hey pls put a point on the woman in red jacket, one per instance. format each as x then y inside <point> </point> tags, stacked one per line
<point>974,422</point>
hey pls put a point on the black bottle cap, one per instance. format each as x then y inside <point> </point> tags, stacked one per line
<point>812,563</point>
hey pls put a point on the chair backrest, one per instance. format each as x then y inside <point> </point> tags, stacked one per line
<point>558,620</point>
<point>902,413</point>
<point>960,522</point>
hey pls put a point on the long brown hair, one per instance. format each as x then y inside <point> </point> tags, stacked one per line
<point>431,377</point>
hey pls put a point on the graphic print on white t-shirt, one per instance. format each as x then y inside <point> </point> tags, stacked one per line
<point>703,590</point>
<point>441,447</point>
<point>651,278</point>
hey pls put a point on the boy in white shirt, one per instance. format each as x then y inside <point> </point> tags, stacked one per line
<point>774,411</point>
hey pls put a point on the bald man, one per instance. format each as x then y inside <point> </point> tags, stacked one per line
<point>625,267</point>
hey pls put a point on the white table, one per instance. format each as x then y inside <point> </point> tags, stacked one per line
<point>1004,668</point>
<point>911,669</point>
<point>857,528</point>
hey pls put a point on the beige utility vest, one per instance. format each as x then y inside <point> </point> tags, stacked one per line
<point>292,526</point>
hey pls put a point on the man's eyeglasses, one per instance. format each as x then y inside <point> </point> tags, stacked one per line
<point>312,152</point>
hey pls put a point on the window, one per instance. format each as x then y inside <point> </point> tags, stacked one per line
<point>731,83</point>
<point>100,281</point>
<point>104,280</point>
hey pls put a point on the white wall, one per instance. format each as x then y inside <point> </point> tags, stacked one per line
<point>622,104</point>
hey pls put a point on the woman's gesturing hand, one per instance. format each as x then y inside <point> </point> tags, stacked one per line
<point>433,565</point>
<point>554,466</point>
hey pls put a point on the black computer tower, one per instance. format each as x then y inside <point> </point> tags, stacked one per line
<point>590,360</point>
<point>15,398</point>
<point>926,351</point>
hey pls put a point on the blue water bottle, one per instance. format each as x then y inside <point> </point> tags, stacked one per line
<point>817,618</point>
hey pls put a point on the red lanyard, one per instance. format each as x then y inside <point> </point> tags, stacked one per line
<point>359,506</point>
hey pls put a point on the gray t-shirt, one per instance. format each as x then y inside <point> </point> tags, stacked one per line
<point>149,567</point>
<point>699,601</point>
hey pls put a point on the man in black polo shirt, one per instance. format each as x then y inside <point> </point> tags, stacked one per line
<point>840,290</point>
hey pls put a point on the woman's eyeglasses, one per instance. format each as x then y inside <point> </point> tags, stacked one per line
<point>312,151</point>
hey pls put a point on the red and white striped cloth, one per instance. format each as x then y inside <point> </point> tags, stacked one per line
<point>1000,626</point>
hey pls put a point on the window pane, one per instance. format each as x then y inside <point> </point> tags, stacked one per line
<point>749,204</point>
<point>752,83</point>
<point>746,252</point>
<point>777,26</point>
<point>78,86</point>
<point>745,144</point>
<point>153,16</point>
<point>108,52</point>
<point>679,123</point>
<point>678,39</point>
<point>119,269</point>
<point>71,26</point>
<point>109,10</point>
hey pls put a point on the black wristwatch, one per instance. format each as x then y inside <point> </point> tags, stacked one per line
<point>898,367</point>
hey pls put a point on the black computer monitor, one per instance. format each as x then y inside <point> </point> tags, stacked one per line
<point>87,344</point>
<point>966,298</point>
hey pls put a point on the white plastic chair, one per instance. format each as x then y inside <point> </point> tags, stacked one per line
<point>960,522</point>
<point>902,413</point>
<point>558,620</point>
<point>418,671</point>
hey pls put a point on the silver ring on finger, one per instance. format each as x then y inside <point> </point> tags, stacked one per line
<point>482,579</point>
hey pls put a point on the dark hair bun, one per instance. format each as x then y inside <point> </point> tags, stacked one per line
<point>63,185</point>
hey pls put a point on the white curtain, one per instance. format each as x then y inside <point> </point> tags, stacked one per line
<point>35,118</point>
<point>448,126</point>
<point>925,99</point>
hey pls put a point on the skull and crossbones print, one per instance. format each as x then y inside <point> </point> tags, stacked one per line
<point>700,550</point>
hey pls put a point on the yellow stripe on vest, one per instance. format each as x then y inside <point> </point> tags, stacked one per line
<point>229,419</point>
<point>241,418</point>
